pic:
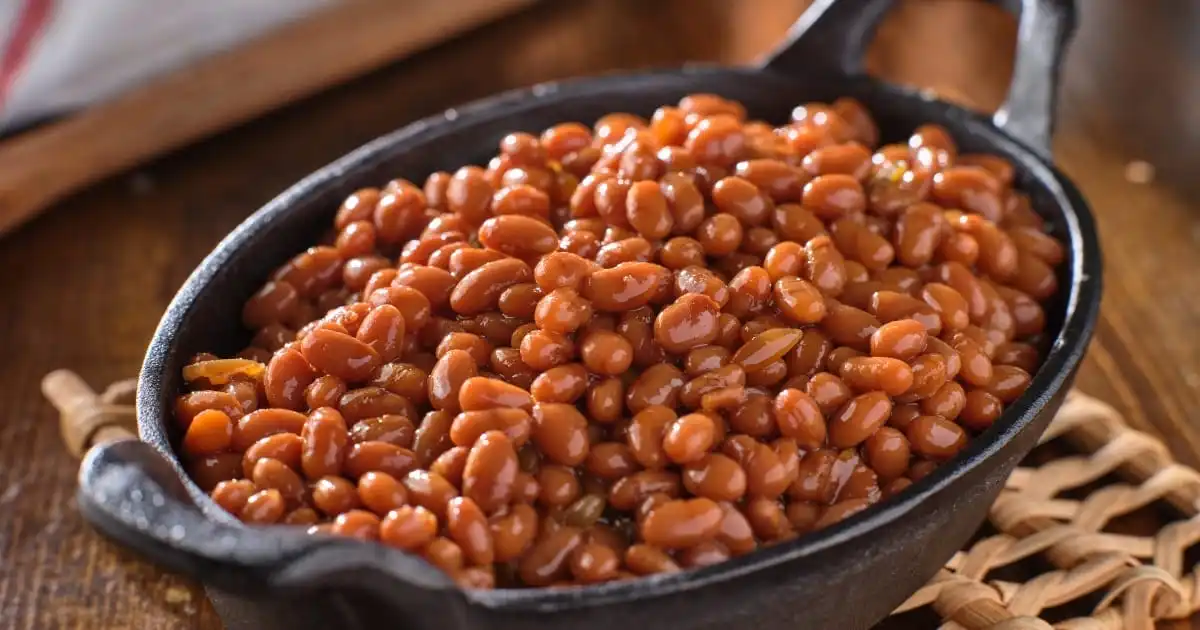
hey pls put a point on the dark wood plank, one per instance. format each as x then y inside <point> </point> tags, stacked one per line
<point>87,282</point>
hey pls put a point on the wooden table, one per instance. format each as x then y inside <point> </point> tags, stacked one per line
<point>85,284</point>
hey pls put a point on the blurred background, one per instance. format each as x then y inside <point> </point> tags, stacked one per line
<point>123,160</point>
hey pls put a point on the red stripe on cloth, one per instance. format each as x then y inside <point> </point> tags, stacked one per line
<point>32,19</point>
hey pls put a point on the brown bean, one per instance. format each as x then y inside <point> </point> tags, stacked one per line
<point>657,385</point>
<point>447,377</point>
<point>858,419</point>
<point>340,355</point>
<point>264,507</point>
<point>949,304</point>
<point>849,326</point>
<point>560,384</point>
<point>410,528</point>
<point>799,418</point>
<point>851,159</point>
<point>325,443</point>
<point>372,402</point>
<point>560,432</point>
<point>480,289</point>
<point>887,451</point>
<point>1008,382</point>
<point>935,437</point>
<point>980,409</point>
<point>549,558</point>
<point>628,492</point>
<point>688,438</point>
<point>286,378</point>
<point>467,426</point>
<point>681,524</point>
<point>210,432</point>
<point>833,196</point>
<point>558,485</point>
<point>902,339</point>
<point>649,560</point>
<point>467,526</point>
<point>381,492</point>
<point>411,303</point>
<point>971,188</point>
<point>365,457</point>
<point>765,348</point>
<point>605,400</point>
<point>645,436</point>
<point>610,460</point>
<point>451,464</point>
<point>514,532</point>
<point>479,393</point>
<point>263,422</point>
<point>233,494</point>
<point>729,376</point>
<point>891,376</point>
<point>976,366</point>
<point>918,233</point>
<point>742,199</point>
<point>606,353</point>
<point>715,476</point>
<point>689,323</point>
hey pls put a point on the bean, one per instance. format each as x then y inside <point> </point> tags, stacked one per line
<point>549,559</point>
<point>560,432</point>
<point>891,376</point>
<point>688,438</point>
<point>658,385</point>
<point>558,485</point>
<point>410,528</point>
<point>849,326</point>
<point>935,437</point>
<point>287,377</point>
<point>606,353</point>
<point>605,400</point>
<point>561,384</point>
<point>715,476</point>
<point>467,426</point>
<point>980,409</point>
<point>325,443</point>
<point>902,339</point>
<point>263,507</point>
<point>888,452</point>
<point>210,432</point>
<point>649,560</point>
<point>340,355</point>
<point>480,289</point>
<point>645,436</point>
<point>858,419</point>
<point>681,524</point>
<point>513,533</point>
<point>365,457</point>
<point>765,348</point>
<point>478,393</point>
<point>799,417</point>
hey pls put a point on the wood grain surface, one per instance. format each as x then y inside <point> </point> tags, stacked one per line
<point>84,285</point>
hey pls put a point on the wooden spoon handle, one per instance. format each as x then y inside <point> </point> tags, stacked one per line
<point>336,44</point>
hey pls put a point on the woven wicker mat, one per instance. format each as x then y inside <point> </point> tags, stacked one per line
<point>1069,544</point>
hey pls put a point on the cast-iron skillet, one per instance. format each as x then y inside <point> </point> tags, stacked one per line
<point>846,577</point>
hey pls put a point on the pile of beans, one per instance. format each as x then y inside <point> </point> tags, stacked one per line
<point>631,348</point>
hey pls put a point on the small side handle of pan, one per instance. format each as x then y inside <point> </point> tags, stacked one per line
<point>131,494</point>
<point>832,37</point>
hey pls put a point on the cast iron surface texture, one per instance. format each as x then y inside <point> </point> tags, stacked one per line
<point>848,576</point>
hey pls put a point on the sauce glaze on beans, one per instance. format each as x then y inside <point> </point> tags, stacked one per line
<point>631,348</point>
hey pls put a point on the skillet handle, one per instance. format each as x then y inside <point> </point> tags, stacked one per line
<point>129,492</point>
<point>832,37</point>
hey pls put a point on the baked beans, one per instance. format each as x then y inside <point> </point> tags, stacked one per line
<point>630,348</point>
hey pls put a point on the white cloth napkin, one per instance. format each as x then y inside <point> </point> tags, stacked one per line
<point>60,55</point>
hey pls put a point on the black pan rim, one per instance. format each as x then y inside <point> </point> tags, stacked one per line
<point>1082,308</point>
